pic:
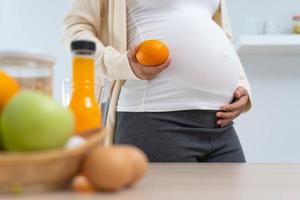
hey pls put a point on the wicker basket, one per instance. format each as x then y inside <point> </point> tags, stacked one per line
<point>43,170</point>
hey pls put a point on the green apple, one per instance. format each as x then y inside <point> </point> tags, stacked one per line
<point>1,144</point>
<point>33,121</point>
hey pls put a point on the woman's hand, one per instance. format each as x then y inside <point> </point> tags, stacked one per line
<point>230,112</point>
<point>145,72</point>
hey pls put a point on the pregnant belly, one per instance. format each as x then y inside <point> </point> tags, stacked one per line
<point>205,66</point>
<point>204,71</point>
<point>202,57</point>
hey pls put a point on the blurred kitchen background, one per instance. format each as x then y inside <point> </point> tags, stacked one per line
<point>264,39</point>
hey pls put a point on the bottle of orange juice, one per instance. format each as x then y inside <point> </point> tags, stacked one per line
<point>83,102</point>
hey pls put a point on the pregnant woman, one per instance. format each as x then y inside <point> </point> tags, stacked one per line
<point>182,110</point>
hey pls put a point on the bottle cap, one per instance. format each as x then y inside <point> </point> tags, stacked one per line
<point>83,45</point>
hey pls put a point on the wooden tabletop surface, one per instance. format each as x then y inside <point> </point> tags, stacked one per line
<point>202,181</point>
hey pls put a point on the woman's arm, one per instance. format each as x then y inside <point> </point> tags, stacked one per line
<point>222,19</point>
<point>84,22</point>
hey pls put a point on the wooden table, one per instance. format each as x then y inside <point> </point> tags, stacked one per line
<point>202,181</point>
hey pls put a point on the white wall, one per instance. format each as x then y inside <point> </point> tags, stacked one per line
<point>269,133</point>
<point>280,11</point>
<point>36,25</point>
<point>1,19</point>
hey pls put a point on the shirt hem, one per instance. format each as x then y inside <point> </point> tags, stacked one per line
<point>167,108</point>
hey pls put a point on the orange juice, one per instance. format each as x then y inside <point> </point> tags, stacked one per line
<point>83,102</point>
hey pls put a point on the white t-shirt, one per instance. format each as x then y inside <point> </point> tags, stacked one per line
<point>205,68</point>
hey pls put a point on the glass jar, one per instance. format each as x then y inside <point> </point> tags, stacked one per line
<point>33,71</point>
<point>297,24</point>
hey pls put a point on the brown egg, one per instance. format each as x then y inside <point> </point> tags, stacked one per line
<point>139,162</point>
<point>108,168</point>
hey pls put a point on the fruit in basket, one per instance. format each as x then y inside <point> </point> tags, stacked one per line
<point>152,53</point>
<point>111,168</point>
<point>1,143</point>
<point>8,88</point>
<point>33,121</point>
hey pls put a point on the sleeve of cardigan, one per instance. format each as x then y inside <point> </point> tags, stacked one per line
<point>222,19</point>
<point>84,22</point>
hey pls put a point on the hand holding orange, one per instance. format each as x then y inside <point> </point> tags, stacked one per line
<point>149,59</point>
<point>152,53</point>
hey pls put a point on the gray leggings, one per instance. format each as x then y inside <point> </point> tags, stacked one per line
<point>181,136</point>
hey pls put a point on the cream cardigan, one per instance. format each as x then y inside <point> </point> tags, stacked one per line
<point>104,22</point>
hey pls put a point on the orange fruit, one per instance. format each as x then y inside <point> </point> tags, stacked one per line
<point>152,53</point>
<point>8,88</point>
<point>82,185</point>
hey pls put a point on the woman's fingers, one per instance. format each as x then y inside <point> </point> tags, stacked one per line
<point>225,118</point>
<point>225,122</point>
<point>164,65</point>
<point>237,105</point>
<point>132,53</point>
<point>228,115</point>
<point>230,112</point>
<point>240,92</point>
<point>142,71</point>
<point>151,72</point>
